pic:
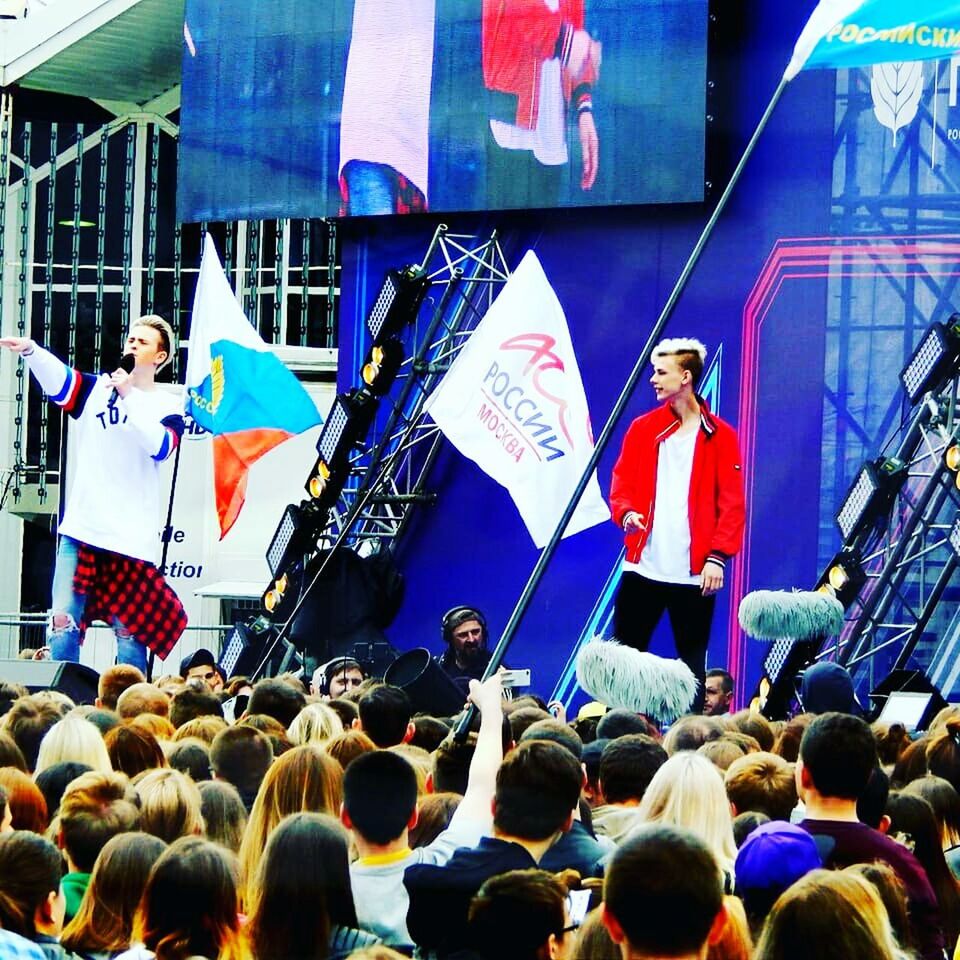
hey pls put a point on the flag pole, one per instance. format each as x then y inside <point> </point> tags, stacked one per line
<point>509,631</point>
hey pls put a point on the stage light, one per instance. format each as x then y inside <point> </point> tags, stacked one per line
<point>289,539</point>
<point>933,360</point>
<point>869,494</point>
<point>955,536</point>
<point>844,578</point>
<point>382,366</point>
<point>346,424</point>
<point>776,658</point>
<point>333,430</point>
<point>319,478</point>
<point>275,593</point>
<point>398,302</point>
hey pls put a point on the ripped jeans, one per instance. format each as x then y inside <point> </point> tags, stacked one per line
<point>66,611</point>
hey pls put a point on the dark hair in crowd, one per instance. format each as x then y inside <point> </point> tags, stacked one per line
<point>619,722</point>
<point>27,722</point>
<point>194,700</point>
<point>278,699</point>
<point>385,712</point>
<point>241,755</point>
<point>104,922</point>
<point>664,888</point>
<point>943,753</point>
<point>95,808</point>
<point>380,795</point>
<point>54,780</point>
<point>224,815</point>
<point>627,766</point>
<point>839,752</point>
<point>192,757</point>
<point>538,785</point>
<point>304,874</point>
<point>30,869</point>
<point>133,750</point>
<point>557,732</point>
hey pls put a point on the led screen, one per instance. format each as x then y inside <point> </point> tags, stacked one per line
<point>308,108</point>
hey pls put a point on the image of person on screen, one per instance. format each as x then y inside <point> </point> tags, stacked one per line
<point>538,64</point>
<point>677,493</point>
<point>124,427</point>
<point>385,119</point>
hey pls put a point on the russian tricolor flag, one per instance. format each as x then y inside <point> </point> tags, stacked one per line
<point>236,388</point>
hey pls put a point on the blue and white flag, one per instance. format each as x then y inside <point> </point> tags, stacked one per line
<point>857,33</point>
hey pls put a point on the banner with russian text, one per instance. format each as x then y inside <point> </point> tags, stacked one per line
<point>513,402</point>
<point>848,33</point>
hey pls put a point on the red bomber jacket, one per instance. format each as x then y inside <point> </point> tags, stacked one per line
<point>715,504</point>
<point>517,37</point>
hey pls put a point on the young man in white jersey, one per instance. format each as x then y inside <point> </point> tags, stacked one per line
<point>677,493</point>
<point>108,541</point>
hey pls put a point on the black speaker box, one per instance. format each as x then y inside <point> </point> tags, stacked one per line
<point>428,686</point>
<point>78,682</point>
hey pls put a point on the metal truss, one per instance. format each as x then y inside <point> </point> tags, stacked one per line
<point>388,477</point>
<point>900,614</point>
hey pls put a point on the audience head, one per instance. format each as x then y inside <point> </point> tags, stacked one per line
<point>872,802</point>
<point>943,753</point>
<point>103,720</point>
<point>159,727</point>
<point>691,732</point>
<point>54,781</point>
<point>133,750</point>
<point>627,765</point>
<point>619,722</point>
<point>200,666</point>
<point>754,725</point>
<point>893,894</point>
<point>787,743</point>
<point>278,699</point>
<point>434,814</point>
<point>717,693</point>
<point>170,805</point>
<point>538,785</point>
<point>95,808</point>
<point>315,723</point>
<point>379,797</point>
<point>190,904</point>
<point>304,873</point>
<point>745,823</point>
<point>73,740</point>
<point>27,805</point>
<point>113,681</point>
<point>241,755</point>
<point>663,894</point>
<point>830,915</point>
<point>349,745</point>
<point>521,915</point>
<point>774,856</point>
<point>205,728</point>
<point>27,722</point>
<point>31,901</point>
<point>194,700</point>
<point>192,757</point>
<point>837,755</point>
<point>224,815</point>
<point>429,732</point>
<point>337,677</point>
<point>828,688</point>
<point>10,753</point>
<point>142,698</point>
<point>385,713</point>
<point>762,782</point>
<point>892,739</point>
<point>944,800</point>
<point>104,922</point>
<point>557,732</point>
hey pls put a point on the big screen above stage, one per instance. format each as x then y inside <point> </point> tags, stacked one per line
<point>308,108</point>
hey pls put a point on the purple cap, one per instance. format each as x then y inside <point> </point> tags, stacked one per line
<point>774,856</point>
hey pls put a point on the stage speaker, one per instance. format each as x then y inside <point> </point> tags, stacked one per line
<point>907,697</point>
<point>426,683</point>
<point>78,682</point>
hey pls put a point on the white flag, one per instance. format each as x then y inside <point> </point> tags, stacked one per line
<point>513,402</point>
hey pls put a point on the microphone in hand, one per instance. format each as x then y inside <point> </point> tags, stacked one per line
<point>127,362</point>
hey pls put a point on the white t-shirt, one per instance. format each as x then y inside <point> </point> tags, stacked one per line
<point>666,554</point>
<point>548,139</point>
<point>113,501</point>
<point>386,96</point>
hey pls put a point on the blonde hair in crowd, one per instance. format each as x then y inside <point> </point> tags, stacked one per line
<point>687,791</point>
<point>315,723</point>
<point>73,740</point>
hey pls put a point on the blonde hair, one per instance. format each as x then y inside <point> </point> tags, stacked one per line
<point>315,723</point>
<point>691,354</point>
<point>168,342</point>
<point>73,740</point>
<point>303,779</point>
<point>169,804</point>
<point>831,914</point>
<point>687,791</point>
<point>203,728</point>
<point>159,726</point>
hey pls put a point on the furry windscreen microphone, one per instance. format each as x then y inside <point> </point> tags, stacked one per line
<point>620,676</point>
<point>793,614</point>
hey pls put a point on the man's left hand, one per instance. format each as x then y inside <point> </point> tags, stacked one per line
<point>711,578</point>
<point>589,149</point>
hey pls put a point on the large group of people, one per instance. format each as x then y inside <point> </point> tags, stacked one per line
<point>339,822</point>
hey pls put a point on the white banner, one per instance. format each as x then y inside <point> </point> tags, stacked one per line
<point>513,402</point>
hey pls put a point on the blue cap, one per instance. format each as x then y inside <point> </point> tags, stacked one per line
<point>774,856</point>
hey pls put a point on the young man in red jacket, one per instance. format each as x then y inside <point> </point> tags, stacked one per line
<point>677,493</point>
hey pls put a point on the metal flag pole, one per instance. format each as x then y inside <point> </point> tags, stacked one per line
<point>509,631</point>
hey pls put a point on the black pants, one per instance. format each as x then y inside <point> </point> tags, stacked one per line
<point>637,610</point>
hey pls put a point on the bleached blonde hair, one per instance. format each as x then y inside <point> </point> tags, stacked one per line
<point>691,354</point>
<point>168,341</point>
<point>315,723</point>
<point>74,740</point>
<point>687,791</point>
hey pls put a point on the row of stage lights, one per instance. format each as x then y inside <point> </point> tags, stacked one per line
<point>344,430</point>
<point>933,363</point>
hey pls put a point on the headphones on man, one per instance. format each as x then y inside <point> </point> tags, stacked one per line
<point>461,614</point>
<point>337,665</point>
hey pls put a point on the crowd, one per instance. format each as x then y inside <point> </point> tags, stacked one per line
<point>193,817</point>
